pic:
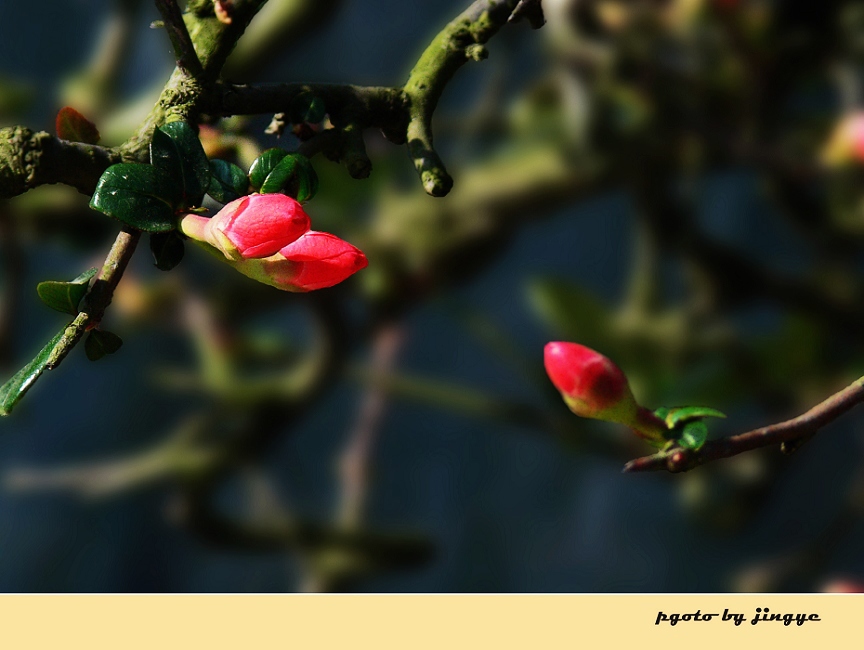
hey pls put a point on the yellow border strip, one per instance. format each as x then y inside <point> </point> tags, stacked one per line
<point>425,621</point>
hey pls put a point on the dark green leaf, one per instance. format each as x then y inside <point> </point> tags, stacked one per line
<point>694,435</point>
<point>167,249</point>
<point>99,343</point>
<point>65,296</point>
<point>686,413</point>
<point>293,176</point>
<point>308,180</point>
<point>141,196</point>
<point>263,165</point>
<point>661,413</point>
<point>227,181</point>
<point>307,108</point>
<point>175,149</point>
<point>13,390</point>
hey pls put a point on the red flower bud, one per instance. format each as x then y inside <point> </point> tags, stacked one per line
<point>594,387</point>
<point>843,586</point>
<point>253,226</point>
<point>314,261</point>
<point>846,143</point>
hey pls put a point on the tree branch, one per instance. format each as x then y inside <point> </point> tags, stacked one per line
<point>462,40</point>
<point>184,50</point>
<point>99,297</point>
<point>786,433</point>
<point>29,159</point>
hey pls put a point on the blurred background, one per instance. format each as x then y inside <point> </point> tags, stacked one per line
<point>677,184</point>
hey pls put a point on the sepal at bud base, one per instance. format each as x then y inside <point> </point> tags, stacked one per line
<point>594,387</point>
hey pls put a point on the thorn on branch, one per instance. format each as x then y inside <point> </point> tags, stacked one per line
<point>531,10</point>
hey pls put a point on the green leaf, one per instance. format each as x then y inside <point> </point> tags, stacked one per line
<point>682,414</point>
<point>227,181</point>
<point>73,126</point>
<point>14,390</point>
<point>141,196</point>
<point>176,149</point>
<point>65,296</point>
<point>694,435</point>
<point>99,343</point>
<point>293,176</point>
<point>263,165</point>
<point>167,248</point>
<point>306,107</point>
<point>661,413</point>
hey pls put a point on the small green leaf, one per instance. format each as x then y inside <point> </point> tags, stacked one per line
<point>13,390</point>
<point>306,107</point>
<point>227,181</point>
<point>99,343</point>
<point>65,296</point>
<point>682,414</point>
<point>141,196</point>
<point>694,435</point>
<point>73,126</point>
<point>263,165</point>
<point>309,187</point>
<point>167,248</point>
<point>176,149</point>
<point>293,176</point>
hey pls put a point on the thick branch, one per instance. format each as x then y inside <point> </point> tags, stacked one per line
<point>371,106</point>
<point>29,159</point>
<point>463,39</point>
<point>788,432</point>
<point>182,96</point>
<point>184,50</point>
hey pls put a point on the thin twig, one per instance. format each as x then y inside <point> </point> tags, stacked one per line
<point>680,460</point>
<point>184,49</point>
<point>356,462</point>
<point>99,297</point>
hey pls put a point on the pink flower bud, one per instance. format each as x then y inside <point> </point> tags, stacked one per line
<point>253,226</point>
<point>846,143</point>
<point>843,586</point>
<point>314,261</point>
<point>594,387</point>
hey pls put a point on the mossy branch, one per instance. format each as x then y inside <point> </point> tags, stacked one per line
<point>29,159</point>
<point>184,49</point>
<point>403,114</point>
<point>462,40</point>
